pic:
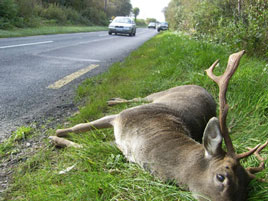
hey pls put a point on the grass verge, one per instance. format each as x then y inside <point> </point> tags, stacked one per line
<point>44,30</point>
<point>99,171</point>
<point>7,147</point>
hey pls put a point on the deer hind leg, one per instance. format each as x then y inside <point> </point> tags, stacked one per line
<point>149,99</point>
<point>115,101</point>
<point>104,122</point>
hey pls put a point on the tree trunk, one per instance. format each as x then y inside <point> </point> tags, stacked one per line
<point>239,7</point>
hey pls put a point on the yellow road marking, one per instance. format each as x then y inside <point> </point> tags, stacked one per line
<point>62,82</point>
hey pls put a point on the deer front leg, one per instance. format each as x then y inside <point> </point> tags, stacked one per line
<point>104,122</point>
<point>61,142</point>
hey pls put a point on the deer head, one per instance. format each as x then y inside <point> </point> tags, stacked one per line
<point>228,180</point>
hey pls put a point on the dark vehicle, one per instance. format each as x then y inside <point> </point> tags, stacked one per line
<point>152,25</point>
<point>123,25</point>
<point>162,26</point>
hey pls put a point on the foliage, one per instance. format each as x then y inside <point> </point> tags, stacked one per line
<point>53,11</point>
<point>141,22</point>
<point>98,16</point>
<point>148,20</point>
<point>240,27</point>
<point>101,171</point>
<point>19,135</point>
<point>118,8</point>
<point>8,11</point>
<point>33,13</point>
<point>136,12</point>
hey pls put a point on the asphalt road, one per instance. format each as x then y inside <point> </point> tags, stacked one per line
<point>31,66</point>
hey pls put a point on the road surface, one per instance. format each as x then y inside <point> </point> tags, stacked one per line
<point>38,74</point>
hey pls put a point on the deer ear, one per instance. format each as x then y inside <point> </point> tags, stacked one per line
<point>212,138</point>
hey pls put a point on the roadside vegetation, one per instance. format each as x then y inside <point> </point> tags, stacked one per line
<point>238,24</point>
<point>99,171</point>
<point>44,30</point>
<point>35,13</point>
<point>39,17</point>
<point>35,17</point>
<point>8,147</point>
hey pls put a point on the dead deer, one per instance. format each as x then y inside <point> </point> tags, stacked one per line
<point>164,135</point>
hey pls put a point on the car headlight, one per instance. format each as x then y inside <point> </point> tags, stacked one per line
<point>111,27</point>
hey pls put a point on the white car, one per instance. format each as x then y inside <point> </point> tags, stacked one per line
<point>123,25</point>
<point>152,25</point>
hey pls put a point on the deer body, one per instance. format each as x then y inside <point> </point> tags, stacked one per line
<point>163,136</point>
<point>159,135</point>
<point>177,137</point>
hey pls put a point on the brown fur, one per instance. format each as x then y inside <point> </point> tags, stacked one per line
<point>163,137</point>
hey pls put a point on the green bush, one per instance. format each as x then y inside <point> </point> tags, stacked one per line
<point>206,19</point>
<point>20,13</point>
<point>5,23</point>
<point>27,8</point>
<point>140,22</point>
<point>33,13</point>
<point>8,9</point>
<point>54,11</point>
<point>221,21</point>
<point>8,13</point>
<point>72,15</point>
<point>248,32</point>
<point>95,16</point>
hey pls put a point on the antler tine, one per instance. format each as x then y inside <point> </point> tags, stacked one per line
<point>253,170</point>
<point>246,154</point>
<point>222,81</point>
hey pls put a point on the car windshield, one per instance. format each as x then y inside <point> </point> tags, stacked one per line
<point>122,20</point>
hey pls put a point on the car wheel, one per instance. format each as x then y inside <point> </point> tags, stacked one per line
<point>134,34</point>
<point>110,33</point>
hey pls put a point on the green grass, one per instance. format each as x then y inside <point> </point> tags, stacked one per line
<point>44,30</point>
<point>7,147</point>
<point>101,172</point>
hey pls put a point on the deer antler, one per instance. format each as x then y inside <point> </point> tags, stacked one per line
<point>222,81</point>
<point>253,170</point>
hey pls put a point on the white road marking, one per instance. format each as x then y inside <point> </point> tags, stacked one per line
<point>96,40</point>
<point>68,58</point>
<point>142,32</point>
<point>25,44</point>
<point>62,82</point>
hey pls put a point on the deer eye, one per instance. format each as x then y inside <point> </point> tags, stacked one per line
<point>220,177</point>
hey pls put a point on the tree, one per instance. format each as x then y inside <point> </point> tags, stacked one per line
<point>240,24</point>
<point>136,12</point>
<point>124,7</point>
<point>118,8</point>
<point>148,20</point>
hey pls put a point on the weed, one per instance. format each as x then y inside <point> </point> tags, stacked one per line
<point>18,135</point>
